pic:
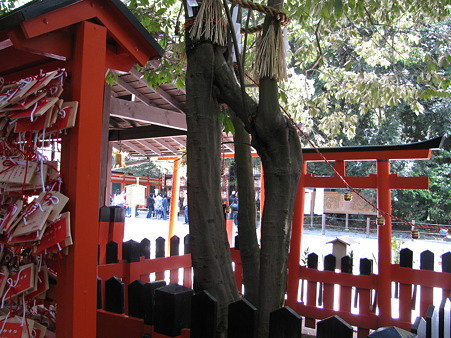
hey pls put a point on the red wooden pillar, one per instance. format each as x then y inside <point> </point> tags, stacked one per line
<point>173,215</point>
<point>384,243</point>
<point>80,168</point>
<point>295,242</point>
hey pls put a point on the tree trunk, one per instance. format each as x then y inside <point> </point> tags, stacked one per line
<point>278,146</point>
<point>275,139</point>
<point>210,80</point>
<point>211,257</point>
<point>247,236</point>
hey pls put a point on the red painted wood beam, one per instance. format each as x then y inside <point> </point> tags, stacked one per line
<point>80,171</point>
<point>344,279</point>
<point>369,182</point>
<point>56,45</point>
<point>368,321</point>
<point>115,325</point>
<point>384,236</point>
<point>121,30</point>
<point>433,279</point>
<point>55,20</point>
<point>410,154</point>
<point>133,44</point>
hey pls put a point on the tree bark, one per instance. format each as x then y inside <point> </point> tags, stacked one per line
<point>275,139</point>
<point>247,218</point>
<point>278,146</point>
<point>211,257</point>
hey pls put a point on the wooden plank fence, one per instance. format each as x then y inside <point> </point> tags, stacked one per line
<point>127,287</point>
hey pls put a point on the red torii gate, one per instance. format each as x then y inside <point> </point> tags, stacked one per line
<point>383,181</point>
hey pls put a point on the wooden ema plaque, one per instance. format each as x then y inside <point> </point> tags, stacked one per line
<point>16,171</point>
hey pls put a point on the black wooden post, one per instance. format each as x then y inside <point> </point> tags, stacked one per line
<point>135,299</point>
<point>204,309</point>
<point>427,293</point>
<point>160,250</point>
<point>187,245</point>
<point>111,252</point>
<point>149,300</point>
<point>334,327</point>
<point>99,293</point>
<point>174,246</point>
<point>131,251</point>
<point>346,264</point>
<point>446,262</point>
<point>285,323</point>
<point>114,295</point>
<point>144,248</point>
<point>172,309</point>
<point>242,321</point>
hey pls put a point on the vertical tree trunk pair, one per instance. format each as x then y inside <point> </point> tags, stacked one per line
<point>209,81</point>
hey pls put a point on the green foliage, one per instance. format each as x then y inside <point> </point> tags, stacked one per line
<point>7,6</point>
<point>111,78</point>
<point>148,169</point>
<point>396,248</point>
<point>162,18</point>
<point>361,73</point>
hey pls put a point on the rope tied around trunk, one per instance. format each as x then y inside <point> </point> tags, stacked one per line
<point>270,61</point>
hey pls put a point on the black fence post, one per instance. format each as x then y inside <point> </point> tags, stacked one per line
<point>174,246</point>
<point>135,299</point>
<point>114,295</point>
<point>99,293</point>
<point>242,322</point>
<point>148,299</point>
<point>172,309</point>
<point>111,252</point>
<point>160,250</point>
<point>334,327</point>
<point>131,251</point>
<point>144,248</point>
<point>285,323</point>
<point>187,244</point>
<point>204,309</point>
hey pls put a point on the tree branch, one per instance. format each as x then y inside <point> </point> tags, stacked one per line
<point>230,92</point>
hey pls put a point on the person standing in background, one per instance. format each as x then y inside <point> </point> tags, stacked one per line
<point>185,208</point>
<point>150,206</point>
<point>164,205</point>
<point>158,206</point>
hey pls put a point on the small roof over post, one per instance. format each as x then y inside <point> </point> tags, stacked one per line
<point>339,248</point>
<point>42,31</point>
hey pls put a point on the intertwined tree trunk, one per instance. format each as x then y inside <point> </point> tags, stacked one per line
<point>209,81</point>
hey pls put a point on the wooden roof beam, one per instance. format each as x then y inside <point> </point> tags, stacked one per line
<point>135,148</point>
<point>166,145</point>
<point>150,146</point>
<point>147,114</point>
<point>164,96</point>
